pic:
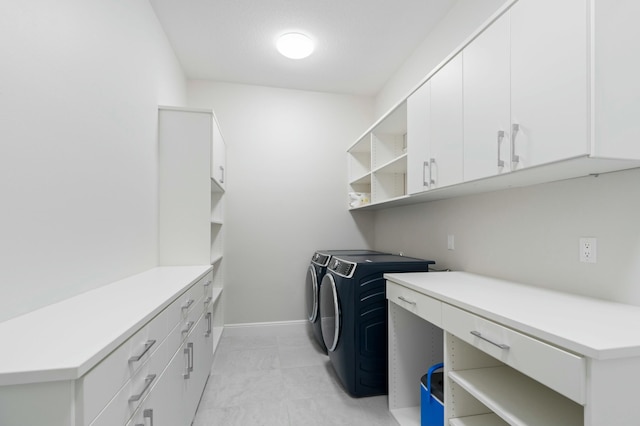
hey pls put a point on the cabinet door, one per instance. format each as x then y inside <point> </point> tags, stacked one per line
<point>548,81</point>
<point>486,80</point>
<point>418,116</point>
<point>200,357</point>
<point>218,153</point>
<point>445,141</point>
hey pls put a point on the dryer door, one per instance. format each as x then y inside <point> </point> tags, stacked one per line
<point>329,312</point>
<point>311,286</point>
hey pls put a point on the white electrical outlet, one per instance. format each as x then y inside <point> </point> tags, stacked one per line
<point>588,250</point>
<point>451,242</point>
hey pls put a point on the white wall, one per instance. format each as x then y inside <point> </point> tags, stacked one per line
<point>531,235</point>
<point>80,83</point>
<point>528,235</point>
<point>286,190</point>
<point>459,23</point>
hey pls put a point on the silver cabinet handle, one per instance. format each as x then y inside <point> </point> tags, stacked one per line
<point>500,138</point>
<point>221,174</point>
<point>148,414</point>
<point>188,327</point>
<point>514,131</point>
<point>425,167</point>
<point>407,300</point>
<point>432,162</point>
<point>210,325</point>
<point>480,336</point>
<point>188,351</point>
<point>147,382</point>
<point>207,300</point>
<point>188,304</point>
<point>207,284</point>
<point>147,346</point>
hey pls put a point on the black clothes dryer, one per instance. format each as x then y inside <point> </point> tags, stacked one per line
<point>353,315</point>
<point>315,272</point>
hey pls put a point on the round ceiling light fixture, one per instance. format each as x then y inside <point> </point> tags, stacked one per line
<point>295,45</point>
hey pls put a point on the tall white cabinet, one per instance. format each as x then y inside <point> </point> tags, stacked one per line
<point>192,177</point>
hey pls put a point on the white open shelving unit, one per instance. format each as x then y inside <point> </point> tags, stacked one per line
<point>378,160</point>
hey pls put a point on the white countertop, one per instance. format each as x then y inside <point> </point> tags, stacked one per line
<point>592,327</point>
<point>64,340</point>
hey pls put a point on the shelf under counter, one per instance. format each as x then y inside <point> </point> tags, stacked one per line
<point>479,420</point>
<point>518,399</point>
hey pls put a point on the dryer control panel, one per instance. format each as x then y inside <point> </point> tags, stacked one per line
<point>342,267</point>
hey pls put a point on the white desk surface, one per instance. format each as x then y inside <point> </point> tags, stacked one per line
<point>595,328</point>
<point>64,340</point>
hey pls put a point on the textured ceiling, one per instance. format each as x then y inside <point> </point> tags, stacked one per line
<point>359,43</point>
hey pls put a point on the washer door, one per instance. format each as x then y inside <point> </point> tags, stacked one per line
<point>311,286</point>
<point>329,312</point>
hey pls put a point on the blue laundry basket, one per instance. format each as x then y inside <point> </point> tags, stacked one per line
<point>432,397</point>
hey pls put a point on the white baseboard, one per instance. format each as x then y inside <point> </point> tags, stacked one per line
<point>274,328</point>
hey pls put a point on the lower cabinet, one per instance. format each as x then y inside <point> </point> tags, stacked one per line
<point>528,357</point>
<point>174,399</point>
<point>147,365</point>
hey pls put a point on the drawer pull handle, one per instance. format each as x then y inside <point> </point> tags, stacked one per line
<point>188,351</point>
<point>514,131</point>
<point>425,168</point>
<point>148,414</point>
<point>432,162</point>
<point>411,302</point>
<point>188,304</point>
<point>188,327</point>
<point>500,138</point>
<point>209,325</point>
<point>208,283</point>
<point>480,336</point>
<point>207,300</point>
<point>147,382</point>
<point>147,346</point>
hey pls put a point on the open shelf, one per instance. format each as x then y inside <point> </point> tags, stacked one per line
<point>409,416</point>
<point>395,165</point>
<point>518,399</point>
<point>216,186</point>
<point>479,420</point>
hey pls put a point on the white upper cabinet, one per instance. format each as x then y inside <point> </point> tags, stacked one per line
<point>418,119</point>
<point>487,125</point>
<point>616,98</point>
<point>192,178</point>
<point>434,130</point>
<point>549,69</point>
<point>544,91</point>
<point>445,135</point>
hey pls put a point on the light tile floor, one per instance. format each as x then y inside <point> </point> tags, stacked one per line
<point>279,377</point>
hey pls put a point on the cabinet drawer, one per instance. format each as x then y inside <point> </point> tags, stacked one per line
<point>189,304</point>
<point>99,385</point>
<point>134,392</point>
<point>562,371</point>
<point>423,306</point>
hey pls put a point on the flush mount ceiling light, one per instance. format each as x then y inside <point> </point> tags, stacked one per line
<point>295,45</point>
